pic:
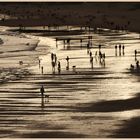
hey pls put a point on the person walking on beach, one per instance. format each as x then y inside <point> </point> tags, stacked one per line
<point>88,48</point>
<point>96,56</point>
<point>120,49</point>
<point>55,59</point>
<point>59,67</point>
<point>99,47</point>
<point>42,70</point>
<point>67,59</point>
<point>137,64</point>
<point>68,43</point>
<point>42,91</point>
<point>90,54</point>
<point>64,43</point>
<point>116,50</point>
<point>100,56</point>
<point>81,43</point>
<point>135,54</point>
<point>123,49</point>
<point>56,43</point>
<point>52,56</point>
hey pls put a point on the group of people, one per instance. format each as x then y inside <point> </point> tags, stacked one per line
<point>101,57</point>
<point>55,63</point>
<point>132,67</point>
<point>121,49</point>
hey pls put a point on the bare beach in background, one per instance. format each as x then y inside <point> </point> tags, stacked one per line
<point>69,70</point>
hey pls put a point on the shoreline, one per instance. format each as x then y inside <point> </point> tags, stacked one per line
<point>73,96</point>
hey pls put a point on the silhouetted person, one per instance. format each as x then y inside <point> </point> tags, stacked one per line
<point>96,54</point>
<point>135,54</point>
<point>74,68</point>
<point>64,43</point>
<point>42,91</point>
<point>68,43</point>
<point>81,42</point>
<point>131,67</point>
<point>67,59</point>
<point>99,47</point>
<point>90,54</point>
<point>120,49</point>
<point>42,70</point>
<point>52,56</point>
<point>116,50</point>
<point>88,48</point>
<point>56,43</point>
<point>123,49</point>
<point>59,67</point>
<point>137,64</point>
<point>55,59</point>
<point>100,56</point>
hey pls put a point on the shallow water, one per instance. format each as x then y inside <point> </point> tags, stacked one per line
<point>89,103</point>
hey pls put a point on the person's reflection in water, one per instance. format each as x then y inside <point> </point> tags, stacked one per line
<point>42,102</point>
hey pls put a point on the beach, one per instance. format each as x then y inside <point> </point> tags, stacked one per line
<point>98,102</point>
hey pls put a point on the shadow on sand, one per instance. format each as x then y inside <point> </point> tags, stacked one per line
<point>53,134</point>
<point>130,129</point>
<point>113,105</point>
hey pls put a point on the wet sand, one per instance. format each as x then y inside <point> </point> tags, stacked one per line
<point>88,103</point>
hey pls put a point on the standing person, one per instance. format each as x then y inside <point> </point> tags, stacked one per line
<point>56,43</point>
<point>67,59</point>
<point>64,43</point>
<point>81,43</point>
<point>52,56</point>
<point>42,70</point>
<point>42,91</point>
<point>100,56</point>
<point>99,47</point>
<point>116,50</point>
<point>68,43</point>
<point>123,49</point>
<point>59,67</point>
<point>90,54</point>
<point>88,48</point>
<point>55,59</point>
<point>135,54</point>
<point>96,56</point>
<point>120,49</point>
<point>42,96</point>
<point>137,64</point>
